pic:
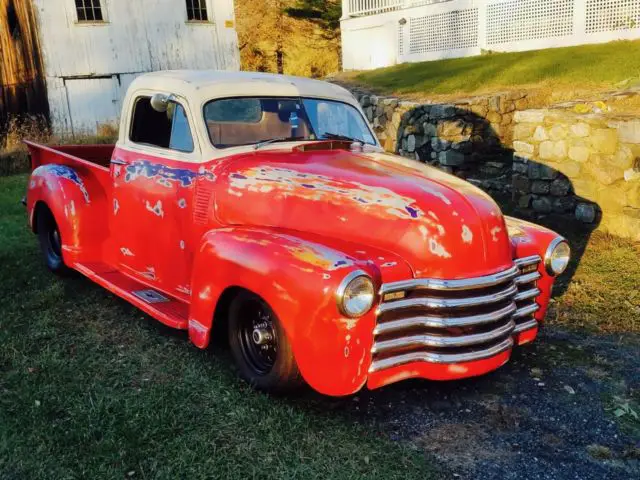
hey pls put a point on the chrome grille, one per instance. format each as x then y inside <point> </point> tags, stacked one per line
<point>453,321</point>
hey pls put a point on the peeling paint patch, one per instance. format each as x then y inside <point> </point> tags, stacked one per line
<point>182,203</point>
<point>161,173</point>
<point>116,206</point>
<point>149,273</point>
<point>436,248</point>
<point>326,276</point>
<point>156,209</point>
<point>234,192</point>
<point>389,264</point>
<point>182,244</point>
<point>435,193</point>
<point>184,289</point>
<point>467,234</point>
<point>197,326</point>
<point>63,171</point>
<point>494,233</point>
<point>126,252</point>
<point>72,208</point>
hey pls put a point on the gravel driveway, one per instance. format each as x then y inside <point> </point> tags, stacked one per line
<point>548,414</point>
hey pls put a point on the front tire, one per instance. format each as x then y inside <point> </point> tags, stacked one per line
<point>259,345</point>
<point>50,242</point>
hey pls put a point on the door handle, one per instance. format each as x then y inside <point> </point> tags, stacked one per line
<point>117,161</point>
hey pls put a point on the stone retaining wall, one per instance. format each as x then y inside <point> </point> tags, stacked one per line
<point>580,162</point>
<point>470,137</point>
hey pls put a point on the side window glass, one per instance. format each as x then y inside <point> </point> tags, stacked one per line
<point>168,129</point>
<point>181,138</point>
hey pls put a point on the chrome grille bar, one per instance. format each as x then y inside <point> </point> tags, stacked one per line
<point>527,278</point>
<point>526,261</point>
<point>444,322</point>
<point>442,341</point>
<point>441,358</point>
<point>521,327</point>
<point>450,285</point>
<point>527,310</point>
<point>447,303</point>
<point>526,294</point>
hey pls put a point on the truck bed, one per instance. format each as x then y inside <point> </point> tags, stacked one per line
<point>70,155</point>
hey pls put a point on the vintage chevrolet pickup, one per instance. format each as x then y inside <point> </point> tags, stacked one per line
<point>262,207</point>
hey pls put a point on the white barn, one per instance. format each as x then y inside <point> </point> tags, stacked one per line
<point>92,50</point>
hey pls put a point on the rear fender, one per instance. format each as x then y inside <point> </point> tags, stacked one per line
<point>78,204</point>
<point>298,278</point>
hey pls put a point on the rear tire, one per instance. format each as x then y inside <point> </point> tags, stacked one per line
<point>51,242</point>
<point>259,345</point>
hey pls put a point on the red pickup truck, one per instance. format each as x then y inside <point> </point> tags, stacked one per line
<point>264,206</point>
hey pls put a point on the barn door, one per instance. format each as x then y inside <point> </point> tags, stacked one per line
<point>94,104</point>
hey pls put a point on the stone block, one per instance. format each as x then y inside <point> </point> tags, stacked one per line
<point>523,147</point>
<point>563,204</point>
<point>529,116</point>
<point>540,134</point>
<point>451,158</point>
<point>623,157</point>
<point>521,183</point>
<point>525,201</point>
<point>560,187</point>
<point>542,205</point>
<point>463,147</point>
<point>411,143</point>
<point>429,129</point>
<point>365,101</point>
<point>558,132</point>
<point>533,170</point>
<point>540,187</point>
<point>494,117</point>
<point>631,175</point>
<point>450,128</point>
<point>580,130</point>
<point>523,131</point>
<point>520,167</point>
<point>374,99</point>
<point>442,111</point>
<point>606,175</point>
<point>604,140</point>
<point>521,104</point>
<point>630,131</point>
<point>390,102</point>
<point>439,144</point>
<point>547,172</point>
<point>579,154</point>
<point>586,212</point>
<point>546,150</point>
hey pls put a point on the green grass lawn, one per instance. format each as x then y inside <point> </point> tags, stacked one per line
<point>584,67</point>
<point>92,388</point>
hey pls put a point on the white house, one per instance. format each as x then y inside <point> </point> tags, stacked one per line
<point>380,33</point>
<point>92,50</point>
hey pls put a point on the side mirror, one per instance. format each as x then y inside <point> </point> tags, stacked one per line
<point>160,102</point>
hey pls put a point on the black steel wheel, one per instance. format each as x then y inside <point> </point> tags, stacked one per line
<point>50,241</point>
<point>259,345</point>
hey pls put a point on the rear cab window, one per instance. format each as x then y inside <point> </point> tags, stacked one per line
<point>168,130</point>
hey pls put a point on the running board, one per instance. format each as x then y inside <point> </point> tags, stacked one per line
<point>168,310</point>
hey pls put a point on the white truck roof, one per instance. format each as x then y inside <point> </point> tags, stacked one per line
<point>201,86</point>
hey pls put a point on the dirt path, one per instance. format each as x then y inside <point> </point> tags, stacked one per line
<point>547,414</point>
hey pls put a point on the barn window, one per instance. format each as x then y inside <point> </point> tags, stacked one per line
<point>89,11</point>
<point>197,11</point>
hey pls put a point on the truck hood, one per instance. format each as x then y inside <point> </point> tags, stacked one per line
<point>440,225</point>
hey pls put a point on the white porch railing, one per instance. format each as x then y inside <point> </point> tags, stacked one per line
<point>356,8</point>
<point>379,33</point>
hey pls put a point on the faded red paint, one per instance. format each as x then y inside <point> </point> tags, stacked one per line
<point>288,225</point>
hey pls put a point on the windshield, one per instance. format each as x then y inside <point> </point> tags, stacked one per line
<point>251,120</point>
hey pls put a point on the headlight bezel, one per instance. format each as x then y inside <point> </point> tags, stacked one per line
<point>343,288</point>
<point>548,256</point>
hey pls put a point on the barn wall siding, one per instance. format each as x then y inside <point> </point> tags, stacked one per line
<point>89,65</point>
<point>22,87</point>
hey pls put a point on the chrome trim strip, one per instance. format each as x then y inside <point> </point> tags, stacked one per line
<point>440,284</point>
<point>442,341</point>
<point>528,278</point>
<point>550,249</point>
<point>442,358</point>
<point>444,322</point>
<point>523,327</point>
<point>526,261</point>
<point>430,302</point>
<point>527,310</point>
<point>531,293</point>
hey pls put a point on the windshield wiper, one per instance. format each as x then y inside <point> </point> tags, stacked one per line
<point>278,139</point>
<point>337,136</point>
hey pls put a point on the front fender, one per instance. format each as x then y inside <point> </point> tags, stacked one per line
<point>529,239</point>
<point>298,278</point>
<point>77,205</point>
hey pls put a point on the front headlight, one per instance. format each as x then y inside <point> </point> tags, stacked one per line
<point>355,295</point>
<point>557,257</point>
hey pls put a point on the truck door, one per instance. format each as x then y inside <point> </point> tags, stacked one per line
<point>154,175</point>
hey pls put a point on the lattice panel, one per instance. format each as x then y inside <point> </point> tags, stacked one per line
<point>609,15</point>
<point>444,31</point>
<point>529,20</point>
<point>400,39</point>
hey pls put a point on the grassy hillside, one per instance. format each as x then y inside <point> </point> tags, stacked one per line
<point>560,71</point>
